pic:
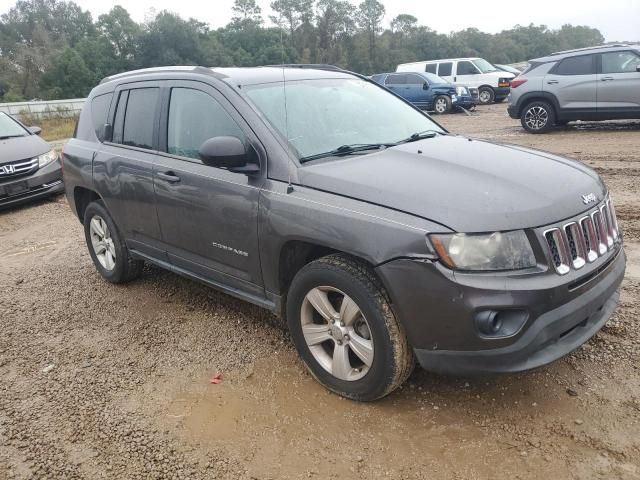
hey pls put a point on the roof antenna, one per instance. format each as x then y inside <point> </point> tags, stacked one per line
<point>284,96</point>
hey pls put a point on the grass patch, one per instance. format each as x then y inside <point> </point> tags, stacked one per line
<point>54,126</point>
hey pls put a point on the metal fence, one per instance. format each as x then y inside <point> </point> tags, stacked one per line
<point>44,109</point>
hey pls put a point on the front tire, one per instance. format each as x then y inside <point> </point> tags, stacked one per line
<point>486,95</point>
<point>344,329</point>
<point>108,251</point>
<point>537,117</point>
<point>442,104</point>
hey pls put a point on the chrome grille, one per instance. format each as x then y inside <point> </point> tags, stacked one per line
<point>17,168</point>
<point>584,240</point>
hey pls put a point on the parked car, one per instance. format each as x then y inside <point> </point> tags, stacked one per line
<point>508,68</point>
<point>427,91</point>
<point>492,84</point>
<point>29,168</point>
<point>350,213</point>
<point>599,83</point>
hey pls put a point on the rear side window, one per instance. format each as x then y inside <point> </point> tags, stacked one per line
<point>620,62</point>
<point>99,111</point>
<point>118,122</point>
<point>445,69</point>
<point>396,80</point>
<point>430,67</point>
<point>195,117</point>
<point>139,120</point>
<point>466,68</point>
<point>581,65</point>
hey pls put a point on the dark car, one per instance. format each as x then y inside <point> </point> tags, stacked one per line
<point>427,91</point>
<point>29,168</point>
<point>380,237</point>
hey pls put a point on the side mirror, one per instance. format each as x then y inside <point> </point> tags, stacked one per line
<point>638,68</point>
<point>35,130</point>
<point>227,152</point>
<point>425,86</point>
<point>107,132</point>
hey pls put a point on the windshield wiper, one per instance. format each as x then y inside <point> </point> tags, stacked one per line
<point>346,150</point>
<point>420,136</point>
<point>4,137</point>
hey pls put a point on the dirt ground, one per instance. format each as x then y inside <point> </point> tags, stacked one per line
<point>104,381</point>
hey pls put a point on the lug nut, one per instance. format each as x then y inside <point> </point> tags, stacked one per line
<point>342,324</point>
<point>346,338</point>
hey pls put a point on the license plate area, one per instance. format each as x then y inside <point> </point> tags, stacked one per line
<point>16,188</point>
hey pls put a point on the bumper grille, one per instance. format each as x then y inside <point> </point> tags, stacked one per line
<point>19,167</point>
<point>583,241</point>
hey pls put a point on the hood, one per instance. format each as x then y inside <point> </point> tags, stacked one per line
<point>443,86</point>
<point>467,185</point>
<point>22,148</point>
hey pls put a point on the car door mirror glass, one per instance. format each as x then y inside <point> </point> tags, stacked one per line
<point>425,86</point>
<point>35,130</point>
<point>107,132</point>
<point>224,152</point>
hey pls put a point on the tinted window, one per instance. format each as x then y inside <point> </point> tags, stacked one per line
<point>582,65</point>
<point>195,117</point>
<point>10,128</point>
<point>396,80</point>
<point>431,67</point>
<point>118,122</point>
<point>466,68</point>
<point>415,80</point>
<point>99,112</point>
<point>620,62</point>
<point>139,120</point>
<point>445,69</point>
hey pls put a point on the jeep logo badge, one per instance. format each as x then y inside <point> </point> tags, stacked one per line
<point>589,198</point>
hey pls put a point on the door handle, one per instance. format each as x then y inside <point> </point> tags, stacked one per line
<point>552,82</point>
<point>606,79</point>
<point>169,177</point>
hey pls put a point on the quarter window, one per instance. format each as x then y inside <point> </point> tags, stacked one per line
<point>99,111</point>
<point>581,65</point>
<point>445,69</point>
<point>466,68</point>
<point>431,68</point>
<point>195,117</point>
<point>620,62</point>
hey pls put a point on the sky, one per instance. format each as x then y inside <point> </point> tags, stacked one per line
<point>617,20</point>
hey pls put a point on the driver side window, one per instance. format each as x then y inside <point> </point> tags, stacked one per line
<point>195,117</point>
<point>466,68</point>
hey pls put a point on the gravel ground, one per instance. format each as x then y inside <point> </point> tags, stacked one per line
<point>104,381</point>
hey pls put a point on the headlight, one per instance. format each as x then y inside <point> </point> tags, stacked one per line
<point>47,158</point>
<point>492,251</point>
<point>462,91</point>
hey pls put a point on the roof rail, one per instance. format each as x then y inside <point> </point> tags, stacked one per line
<point>314,66</point>
<point>183,68</point>
<point>611,45</point>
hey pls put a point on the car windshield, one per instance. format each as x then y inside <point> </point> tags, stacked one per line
<point>433,78</point>
<point>9,128</point>
<point>484,66</point>
<point>320,116</point>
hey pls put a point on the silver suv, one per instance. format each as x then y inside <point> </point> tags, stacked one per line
<point>597,83</point>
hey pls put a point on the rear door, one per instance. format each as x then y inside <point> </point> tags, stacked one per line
<point>619,82</point>
<point>445,70</point>
<point>573,81</point>
<point>123,167</point>
<point>208,215</point>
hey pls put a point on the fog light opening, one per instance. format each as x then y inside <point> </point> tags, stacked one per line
<point>500,323</point>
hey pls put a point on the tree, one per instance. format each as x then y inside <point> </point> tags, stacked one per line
<point>404,24</point>
<point>292,13</point>
<point>68,76</point>
<point>120,31</point>
<point>370,15</point>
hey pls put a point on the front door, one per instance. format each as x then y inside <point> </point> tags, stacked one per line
<point>619,82</point>
<point>208,216</point>
<point>573,82</point>
<point>416,92</point>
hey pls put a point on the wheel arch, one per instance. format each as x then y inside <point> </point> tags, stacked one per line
<point>82,197</point>
<point>531,97</point>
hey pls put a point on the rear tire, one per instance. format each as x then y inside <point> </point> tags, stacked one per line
<point>356,349</point>
<point>486,95</point>
<point>106,246</point>
<point>538,117</point>
<point>442,104</point>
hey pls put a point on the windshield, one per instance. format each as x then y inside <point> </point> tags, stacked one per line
<point>433,78</point>
<point>323,115</point>
<point>10,128</point>
<point>484,66</point>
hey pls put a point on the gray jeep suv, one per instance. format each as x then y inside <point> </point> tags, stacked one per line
<point>599,83</point>
<point>380,237</point>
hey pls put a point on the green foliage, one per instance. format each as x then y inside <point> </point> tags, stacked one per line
<point>53,49</point>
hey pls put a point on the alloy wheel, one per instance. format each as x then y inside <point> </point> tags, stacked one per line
<point>102,242</point>
<point>441,105</point>
<point>536,117</point>
<point>485,96</point>
<point>337,333</point>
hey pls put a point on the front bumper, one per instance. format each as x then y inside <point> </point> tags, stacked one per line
<point>438,317</point>
<point>25,188</point>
